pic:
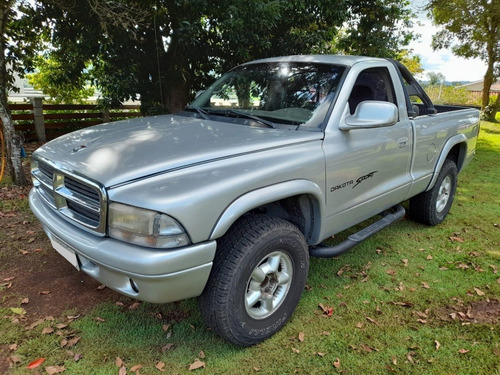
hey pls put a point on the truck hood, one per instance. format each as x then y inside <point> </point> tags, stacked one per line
<point>118,152</point>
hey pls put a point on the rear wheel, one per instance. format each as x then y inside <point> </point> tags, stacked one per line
<point>431,207</point>
<point>258,276</point>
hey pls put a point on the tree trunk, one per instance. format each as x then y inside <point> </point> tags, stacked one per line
<point>11,138</point>
<point>490,112</point>
<point>176,96</point>
<point>13,146</point>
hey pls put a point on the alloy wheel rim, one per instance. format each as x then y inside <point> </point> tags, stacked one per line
<point>268,285</point>
<point>443,194</point>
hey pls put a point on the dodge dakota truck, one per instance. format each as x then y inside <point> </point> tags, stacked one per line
<point>227,199</point>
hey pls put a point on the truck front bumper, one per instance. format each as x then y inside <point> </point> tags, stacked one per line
<point>152,275</point>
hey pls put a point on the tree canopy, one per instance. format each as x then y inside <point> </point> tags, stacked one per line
<point>164,51</point>
<point>472,29</point>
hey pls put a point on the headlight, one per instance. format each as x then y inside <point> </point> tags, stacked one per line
<point>145,227</point>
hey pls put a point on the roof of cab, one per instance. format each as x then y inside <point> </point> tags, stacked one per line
<point>322,59</point>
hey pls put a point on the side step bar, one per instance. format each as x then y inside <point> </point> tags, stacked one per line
<point>323,251</point>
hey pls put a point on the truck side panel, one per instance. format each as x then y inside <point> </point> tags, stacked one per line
<point>432,133</point>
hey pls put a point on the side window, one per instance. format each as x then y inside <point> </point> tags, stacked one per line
<point>372,84</point>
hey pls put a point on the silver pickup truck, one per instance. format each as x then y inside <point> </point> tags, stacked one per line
<point>228,199</point>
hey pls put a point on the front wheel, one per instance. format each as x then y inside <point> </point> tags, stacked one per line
<point>431,207</point>
<point>257,279</point>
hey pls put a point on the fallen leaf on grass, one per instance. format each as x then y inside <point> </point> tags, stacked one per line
<point>479,292</point>
<point>202,354</point>
<point>122,371</point>
<point>24,252</point>
<point>13,347</point>
<point>160,366</point>
<point>438,345</point>
<point>429,257</point>
<point>134,306</point>
<point>410,358</point>
<point>425,285</point>
<point>25,301</point>
<point>166,327</point>
<point>359,325</point>
<point>328,311</point>
<point>422,321</point>
<point>394,361</point>
<point>390,272</point>
<point>47,330</point>
<point>463,351</point>
<point>36,363</point>
<point>61,325</point>
<point>196,365</point>
<point>295,350</point>
<point>119,362</point>
<point>372,320</point>
<point>51,370</point>
<point>456,239</point>
<point>34,324</point>
<point>71,342</point>
<point>404,304</point>
<point>73,317</point>
<point>9,278</point>
<point>18,310</point>
<point>301,336</point>
<point>136,368</point>
<point>320,354</point>
<point>44,292</point>
<point>336,364</point>
<point>405,262</point>
<point>367,348</point>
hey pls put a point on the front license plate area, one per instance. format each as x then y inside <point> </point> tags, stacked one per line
<point>65,251</point>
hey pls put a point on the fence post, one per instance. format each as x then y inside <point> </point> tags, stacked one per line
<point>105,115</point>
<point>38,117</point>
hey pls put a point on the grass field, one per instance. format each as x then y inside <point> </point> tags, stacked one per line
<point>411,300</point>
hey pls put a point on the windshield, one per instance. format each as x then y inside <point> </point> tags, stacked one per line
<point>283,93</point>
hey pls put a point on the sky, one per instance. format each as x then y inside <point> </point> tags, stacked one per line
<point>441,61</point>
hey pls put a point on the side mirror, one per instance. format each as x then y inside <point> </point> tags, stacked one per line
<point>371,114</point>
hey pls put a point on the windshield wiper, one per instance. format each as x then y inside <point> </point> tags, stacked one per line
<point>267,123</point>
<point>201,112</point>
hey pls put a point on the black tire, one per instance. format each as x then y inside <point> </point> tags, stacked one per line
<point>253,244</point>
<point>431,207</point>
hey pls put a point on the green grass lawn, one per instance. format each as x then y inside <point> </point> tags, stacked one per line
<point>410,300</point>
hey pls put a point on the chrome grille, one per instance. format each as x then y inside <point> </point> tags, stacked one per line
<point>78,200</point>
<point>83,190</point>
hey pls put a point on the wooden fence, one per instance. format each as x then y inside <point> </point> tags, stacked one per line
<point>43,122</point>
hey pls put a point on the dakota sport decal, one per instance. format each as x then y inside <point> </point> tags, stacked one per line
<point>351,182</point>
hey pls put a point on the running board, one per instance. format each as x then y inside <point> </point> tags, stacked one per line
<point>324,251</point>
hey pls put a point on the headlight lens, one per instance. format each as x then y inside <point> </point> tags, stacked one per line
<point>145,227</point>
